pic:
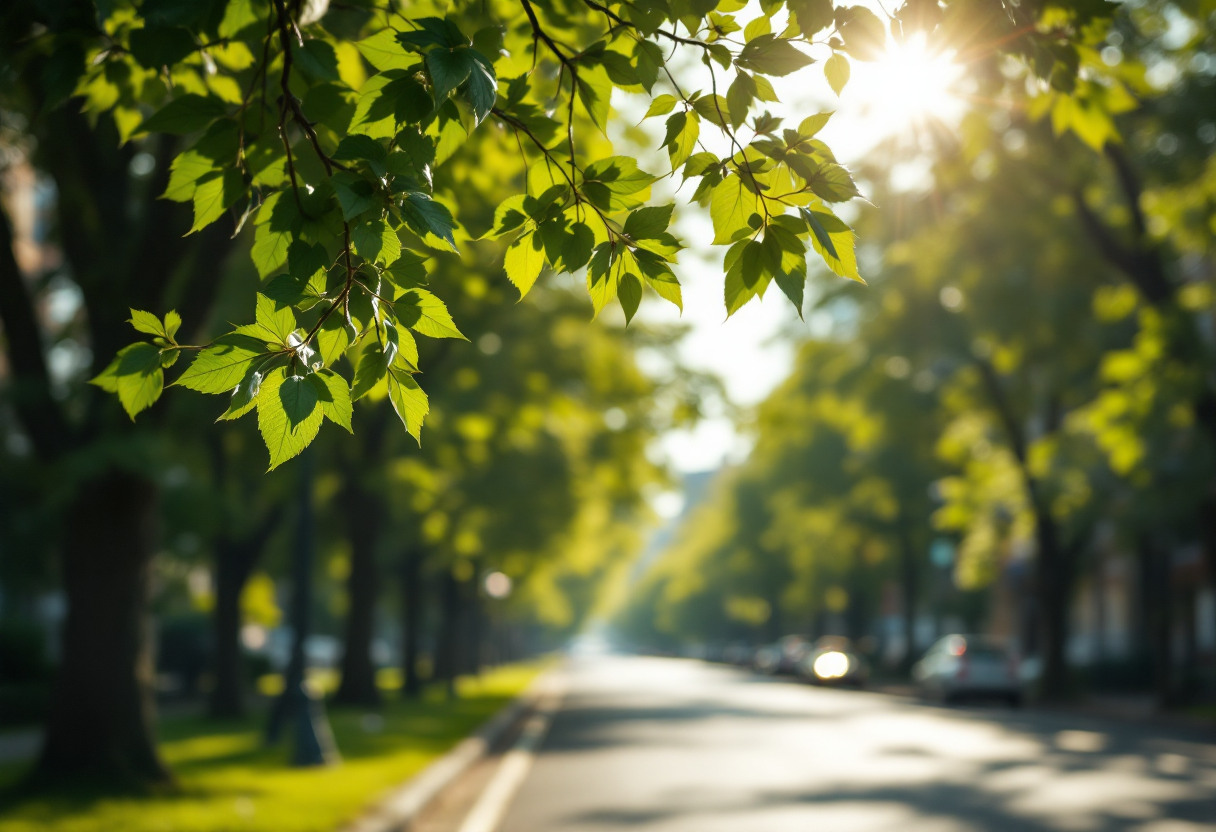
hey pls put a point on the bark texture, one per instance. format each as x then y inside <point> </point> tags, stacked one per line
<point>101,721</point>
<point>124,249</point>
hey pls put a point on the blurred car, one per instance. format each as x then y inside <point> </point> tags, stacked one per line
<point>832,660</point>
<point>969,667</point>
<point>782,656</point>
<point>738,653</point>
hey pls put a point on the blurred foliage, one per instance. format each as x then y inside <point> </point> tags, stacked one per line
<point>1029,378</point>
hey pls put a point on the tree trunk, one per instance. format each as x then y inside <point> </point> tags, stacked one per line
<point>1157,608</point>
<point>228,684</point>
<point>474,626</point>
<point>411,621</point>
<point>1055,591</point>
<point>102,713</point>
<point>364,516</point>
<point>446,659</point>
<point>908,575</point>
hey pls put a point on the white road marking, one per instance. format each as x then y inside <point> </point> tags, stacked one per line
<point>491,807</point>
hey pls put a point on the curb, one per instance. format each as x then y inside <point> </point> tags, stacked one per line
<point>396,812</point>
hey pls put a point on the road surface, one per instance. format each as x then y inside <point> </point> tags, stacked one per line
<point>669,745</point>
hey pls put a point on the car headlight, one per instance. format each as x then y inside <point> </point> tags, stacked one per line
<point>831,665</point>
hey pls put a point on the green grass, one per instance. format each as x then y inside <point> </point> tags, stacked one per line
<point>230,783</point>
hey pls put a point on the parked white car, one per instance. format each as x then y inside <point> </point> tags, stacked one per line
<point>969,667</point>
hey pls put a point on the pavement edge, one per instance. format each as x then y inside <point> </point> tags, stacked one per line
<point>397,810</point>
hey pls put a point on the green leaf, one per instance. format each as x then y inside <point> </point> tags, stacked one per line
<point>136,376</point>
<point>844,263</point>
<point>649,59</point>
<point>772,56</point>
<point>409,272</point>
<point>736,292</point>
<point>358,146</point>
<point>429,219</point>
<point>864,34</point>
<point>448,70</point>
<point>836,69</point>
<point>238,15</point>
<point>813,124</point>
<point>244,397</point>
<point>388,100</point>
<point>220,367</point>
<point>812,15</point>
<point>524,261</point>
<point>333,394</point>
<point>714,109</point>
<point>482,86</point>
<point>509,216</point>
<point>317,60</point>
<point>648,223</point>
<point>764,89</point>
<point>376,242</point>
<point>731,208</point>
<point>755,264</point>
<point>274,323</point>
<point>608,266</point>
<point>147,323</point>
<point>355,194</point>
<point>214,195</point>
<point>185,172</point>
<point>833,183</point>
<point>683,129</point>
<point>630,293</point>
<point>400,348</point>
<point>423,312</point>
<point>173,322</point>
<point>409,400</point>
<point>184,114</point>
<point>699,163</point>
<point>383,51</point>
<point>411,161</point>
<point>373,366</point>
<point>793,285</point>
<point>595,93</point>
<point>433,31</point>
<point>333,338</point>
<point>755,28</point>
<point>289,415</point>
<point>821,234</point>
<point>661,106</point>
<point>577,246</point>
<point>658,276</point>
<point>739,98</point>
<point>305,260</point>
<point>615,184</point>
<point>299,399</point>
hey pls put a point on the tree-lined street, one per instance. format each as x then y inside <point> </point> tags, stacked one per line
<point>674,745</point>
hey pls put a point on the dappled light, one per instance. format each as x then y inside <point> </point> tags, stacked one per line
<point>590,415</point>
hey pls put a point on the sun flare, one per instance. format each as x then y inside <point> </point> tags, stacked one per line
<point>911,83</point>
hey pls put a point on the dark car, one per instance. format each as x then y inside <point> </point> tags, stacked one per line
<point>782,656</point>
<point>832,660</point>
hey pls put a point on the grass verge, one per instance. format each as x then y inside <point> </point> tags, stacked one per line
<point>231,783</point>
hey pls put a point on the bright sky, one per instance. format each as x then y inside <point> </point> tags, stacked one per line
<point>752,352</point>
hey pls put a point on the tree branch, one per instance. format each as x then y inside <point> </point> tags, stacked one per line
<point>1142,268</point>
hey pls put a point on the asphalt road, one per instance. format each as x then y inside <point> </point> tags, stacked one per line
<point>675,745</point>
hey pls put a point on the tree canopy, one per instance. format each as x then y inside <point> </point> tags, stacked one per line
<point>317,131</point>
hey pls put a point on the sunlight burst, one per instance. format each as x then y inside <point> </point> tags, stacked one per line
<point>911,83</point>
